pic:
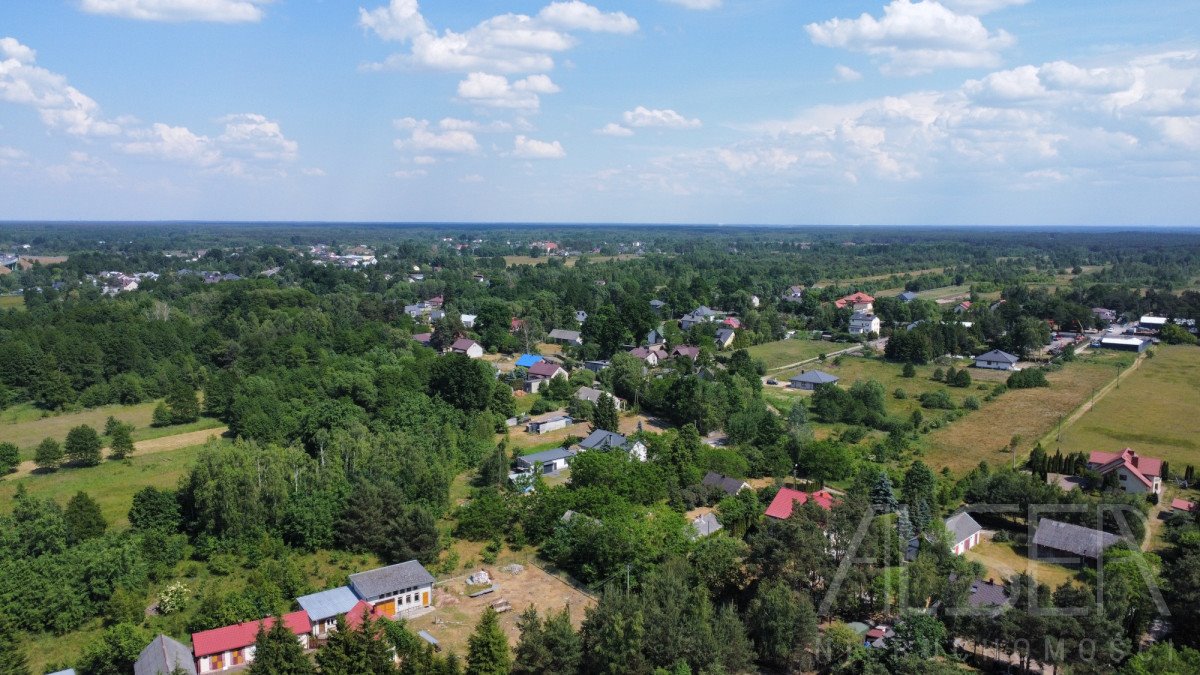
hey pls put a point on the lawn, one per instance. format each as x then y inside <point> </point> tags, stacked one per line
<point>945,292</point>
<point>22,426</point>
<point>1028,413</point>
<point>787,352</point>
<point>1006,560</point>
<point>111,483</point>
<point>1154,411</point>
<point>12,301</point>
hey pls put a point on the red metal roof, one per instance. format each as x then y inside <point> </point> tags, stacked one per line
<point>354,618</point>
<point>781,507</point>
<point>1139,467</point>
<point>218,640</point>
<point>1182,504</point>
<point>854,299</point>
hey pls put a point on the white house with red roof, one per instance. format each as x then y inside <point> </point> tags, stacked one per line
<point>786,500</point>
<point>1136,474</point>
<point>468,347</point>
<point>232,646</point>
<point>859,302</point>
<point>540,373</point>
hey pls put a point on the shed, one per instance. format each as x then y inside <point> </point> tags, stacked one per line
<point>1054,538</point>
<point>964,532</point>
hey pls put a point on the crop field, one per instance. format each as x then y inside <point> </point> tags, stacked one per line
<point>1155,411</point>
<point>786,352</point>
<point>1028,413</point>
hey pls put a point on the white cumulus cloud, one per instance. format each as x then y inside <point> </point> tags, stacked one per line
<point>846,73</point>
<point>916,37</point>
<point>497,92</point>
<point>423,140</point>
<point>529,148</point>
<point>696,4</point>
<point>222,11</point>
<point>576,15</point>
<point>667,118</point>
<point>614,129</point>
<point>61,106</point>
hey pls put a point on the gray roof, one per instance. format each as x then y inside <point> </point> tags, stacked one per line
<point>862,316</point>
<point>704,311</point>
<point>546,456</point>
<point>962,526</point>
<point>162,657</point>
<point>603,439</point>
<point>328,604</point>
<point>657,303</point>
<point>997,355</point>
<point>730,485</point>
<point>560,334</point>
<point>725,333</point>
<point>390,579</point>
<point>590,394</point>
<point>706,524</point>
<point>815,377</point>
<point>1082,541</point>
<point>987,594</point>
<point>907,296</point>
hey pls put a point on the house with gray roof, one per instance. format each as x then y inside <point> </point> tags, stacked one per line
<point>601,439</point>
<point>725,338</point>
<point>325,607</point>
<point>568,337</point>
<point>811,379</point>
<point>593,396</point>
<point>551,461</point>
<point>164,656</point>
<point>395,590</point>
<point>964,532</point>
<point>704,525</point>
<point>730,486</point>
<point>907,297</point>
<point>1055,539</point>
<point>996,360</point>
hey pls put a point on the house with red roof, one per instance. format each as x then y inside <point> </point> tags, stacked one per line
<point>787,498</point>
<point>687,351</point>
<point>541,373</point>
<point>732,322</point>
<point>467,347</point>
<point>859,302</point>
<point>224,648</point>
<point>1136,474</point>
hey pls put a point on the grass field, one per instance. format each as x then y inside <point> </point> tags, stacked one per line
<point>1028,413</point>
<point>1005,560</point>
<point>786,352</point>
<point>111,483</point>
<point>20,424</point>
<point>1155,411</point>
<point>945,292</point>
<point>10,301</point>
<point>512,260</point>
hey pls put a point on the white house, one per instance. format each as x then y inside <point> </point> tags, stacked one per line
<point>1136,474</point>
<point>233,646</point>
<point>551,461</point>
<point>541,373</point>
<point>647,355</point>
<point>325,607</point>
<point>593,395</point>
<point>570,337</point>
<point>996,360</point>
<point>470,348</point>
<point>863,323</point>
<point>608,440</point>
<point>810,380</point>
<point>964,533</point>
<point>395,590</point>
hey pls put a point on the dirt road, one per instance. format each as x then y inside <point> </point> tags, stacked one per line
<point>146,447</point>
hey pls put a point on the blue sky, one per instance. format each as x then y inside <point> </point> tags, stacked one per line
<point>675,111</point>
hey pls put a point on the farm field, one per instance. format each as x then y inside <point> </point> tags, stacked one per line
<point>786,352</point>
<point>111,483</point>
<point>1155,411</point>
<point>22,426</point>
<point>1028,413</point>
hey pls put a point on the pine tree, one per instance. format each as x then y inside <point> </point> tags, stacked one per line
<point>881,493</point>
<point>921,516</point>
<point>10,457</point>
<point>276,651</point>
<point>904,526</point>
<point>122,442</point>
<point>361,649</point>
<point>551,646</point>
<point>12,655</point>
<point>83,518</point>
<point>161,416</point>
<point>83,445</point>
<point>488,652</point>
<point>606,415</point>
<point>909,370</point>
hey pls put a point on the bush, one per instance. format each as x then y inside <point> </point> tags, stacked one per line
<point>1001,536</point>
<point>937,375</point>
<point>971,403</point>
<point>938,400</point>
<point>900,394</point>
<point>173,598</point>
<point>909,370</point>
<point>1028,379</point>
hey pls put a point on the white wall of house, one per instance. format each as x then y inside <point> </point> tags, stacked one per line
<point>967,544</point>
<point>993,365</point>
<point>407,599</point>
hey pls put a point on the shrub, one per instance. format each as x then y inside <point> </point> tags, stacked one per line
<point>1028,379</point>
<point>909,370</point>
<point>939,400</point>
<point>971,403</point>
<point>173,598</point>
<point>937,375</point>
<point>900,394</point>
